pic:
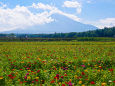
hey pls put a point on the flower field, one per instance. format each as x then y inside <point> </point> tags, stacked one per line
<point>57,63</point>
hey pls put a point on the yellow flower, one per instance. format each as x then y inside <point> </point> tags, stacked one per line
<point>45,70</point>
<point>1,77</point>
<point>59,83</point>
<point>103,84</point>
<point>75,76</point>
<point>86,70</point>
<point>98,70</point>
<point>80,82</point>
<point>82,85</point>
<point>16,73</point>
<point>70,79</point>
<point>29,70</point>
<point>37,77</point>
<point>99,66</point>
<point>39,59</point>
<point>74,67</point>
<point>84,60</point>
<point>78,71</point>
<point>19,80</point>
<point>28,77</point>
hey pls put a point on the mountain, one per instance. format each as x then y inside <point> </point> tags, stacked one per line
<point>61,24</point>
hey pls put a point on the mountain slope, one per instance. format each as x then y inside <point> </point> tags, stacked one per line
<point>61,24</point>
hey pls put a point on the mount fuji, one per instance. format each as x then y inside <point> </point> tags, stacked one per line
<point>62,24</point>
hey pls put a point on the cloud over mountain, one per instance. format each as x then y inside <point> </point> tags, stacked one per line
<point>22,17</point>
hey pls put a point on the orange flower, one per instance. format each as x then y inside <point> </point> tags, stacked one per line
<point>52,81</point>
<point>1,77</point>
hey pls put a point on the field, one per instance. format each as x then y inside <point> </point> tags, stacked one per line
<point>57,63</point>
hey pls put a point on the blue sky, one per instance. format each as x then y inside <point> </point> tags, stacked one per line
<point>100,13</point>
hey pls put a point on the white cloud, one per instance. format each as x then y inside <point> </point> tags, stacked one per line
<point>54,10</point>
<point>107,22</point>
<point>21,17</point>
<point>43,6</point>
<point>89,1</point>
<point>73,4</point>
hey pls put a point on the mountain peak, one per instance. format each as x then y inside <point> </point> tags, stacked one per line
<point>61,24</point>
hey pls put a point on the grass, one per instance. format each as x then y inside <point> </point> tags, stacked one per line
<point>57,63</point>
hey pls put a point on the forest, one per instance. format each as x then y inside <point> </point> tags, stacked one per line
<point>106,34</point>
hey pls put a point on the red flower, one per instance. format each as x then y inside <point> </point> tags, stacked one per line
<point>32,71</point>
<point>66,82</point>
<point>20,69</point>
<point>52,81</point>
<point>21,82</point>
<point>36,80</point>
<point>32,81</point>
<point>83,73</point>
<point>114,81</point>
<point>65,74</point>
<point>55,69</point>
<point>13,77</point>
<point>62,77</point>
<point>86,79</point>
<point>28,57</point>
<point>111,70</point>
<point>9,59</point>
<point>57,75</point>
<point>25,81</point>
<point>92,82</point>
<point>38,71</point>
<point>63,84</point>
<point>10,75</point>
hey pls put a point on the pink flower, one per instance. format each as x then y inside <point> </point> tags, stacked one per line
<point>27,74</point>
<point>25,77</point>
<point>70,84</point>
<point>83,65</point>
<point>57,75</point>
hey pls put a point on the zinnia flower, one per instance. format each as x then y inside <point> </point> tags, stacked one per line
<point>83,65</point>
<point>28,77</point>
<point>52,81</point>
<point>83,73</point>
<point>103,84</point>
<point>70,84</point>
<point>25,77</point>
<point>80,82</point>
<point>63,84</point>
<point>1,77</point>
<point>92,82</point>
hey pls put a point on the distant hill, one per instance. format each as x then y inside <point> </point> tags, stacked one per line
<point>106,32</point>
<point>62,24</point>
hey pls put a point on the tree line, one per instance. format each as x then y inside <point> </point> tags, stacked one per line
<point>106,32</point>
